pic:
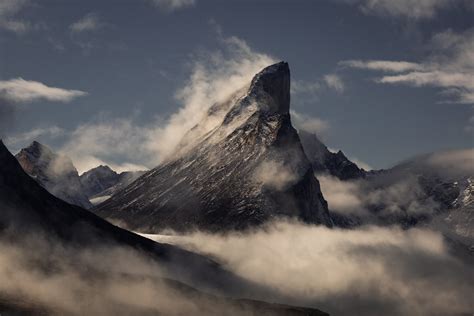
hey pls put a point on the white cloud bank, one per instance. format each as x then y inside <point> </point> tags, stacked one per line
<point>370,271</point>
<point>20,90</point>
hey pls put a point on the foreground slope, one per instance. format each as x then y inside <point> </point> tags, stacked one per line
<point>54,172</point>
<point>245,170</point>
<point>61,242</point>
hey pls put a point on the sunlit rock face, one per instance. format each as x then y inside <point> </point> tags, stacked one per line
<point>242,171</point>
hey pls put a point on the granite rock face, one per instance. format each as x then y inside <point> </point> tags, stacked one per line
<point>246,170</point>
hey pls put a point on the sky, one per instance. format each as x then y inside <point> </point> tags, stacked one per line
<point>118,82</point>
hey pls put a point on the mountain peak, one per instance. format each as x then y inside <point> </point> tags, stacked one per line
<point>273,81</point>
<point>37,149</point>
<point>55,172</point>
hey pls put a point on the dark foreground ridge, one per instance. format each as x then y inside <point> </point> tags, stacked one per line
<point>30,215</point>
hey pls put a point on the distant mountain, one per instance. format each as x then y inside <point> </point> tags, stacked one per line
<point>325,161</point>
<point>102,182</point>
<point>433,190</point>
<point>54,172</point>
<point>248,168</point>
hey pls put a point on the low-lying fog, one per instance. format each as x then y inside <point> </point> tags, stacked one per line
<point>368,271</point>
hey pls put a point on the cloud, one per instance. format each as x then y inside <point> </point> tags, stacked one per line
<point>215,77</point>
<point>275,175</point>
<point>328,81</point>
<point>344,197</point>
<point>89,22</point>
<point>8,11</point>
<point>449,67</point>
<point>402,192</point>
<point>301,86</point>
<point>43,276</point>
<point>118,143</point>
<point>454,161</point>
<point>173,5</point>
<point>361,163</point>
<point>382,65</point>
<point>20,90</point>
<point>390,197</point>
<point>308,123</point>
<point>334,82</point>
<point>123,143</point>
<point>368,271</point>
<point>411,9</point>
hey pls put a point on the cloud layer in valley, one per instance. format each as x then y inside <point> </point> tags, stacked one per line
<point>370,271</point>
<point>42,276</point>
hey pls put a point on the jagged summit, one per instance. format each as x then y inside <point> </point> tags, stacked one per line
<point>274,81</point>
<point>248,169</point>
<point>325,161</point>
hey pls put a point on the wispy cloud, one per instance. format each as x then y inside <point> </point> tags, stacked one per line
<point>173,5</point>
<point>118,143</point>
<point>308,123</point>
<point>215,76</point>
<point>123,143</point>
<point>9,10</point>
<point>20,90</point>
<point>89,22</point>
<point>313,88</point>
<point>382,65</point>
<point>412,9</point>
<point>450,67</point>
<point>334,82</point>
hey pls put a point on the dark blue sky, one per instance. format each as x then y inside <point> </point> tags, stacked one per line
<point>131,57</point>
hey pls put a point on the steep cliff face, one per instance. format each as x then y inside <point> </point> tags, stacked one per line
<point>247,169</point>
<point>54,172</point>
